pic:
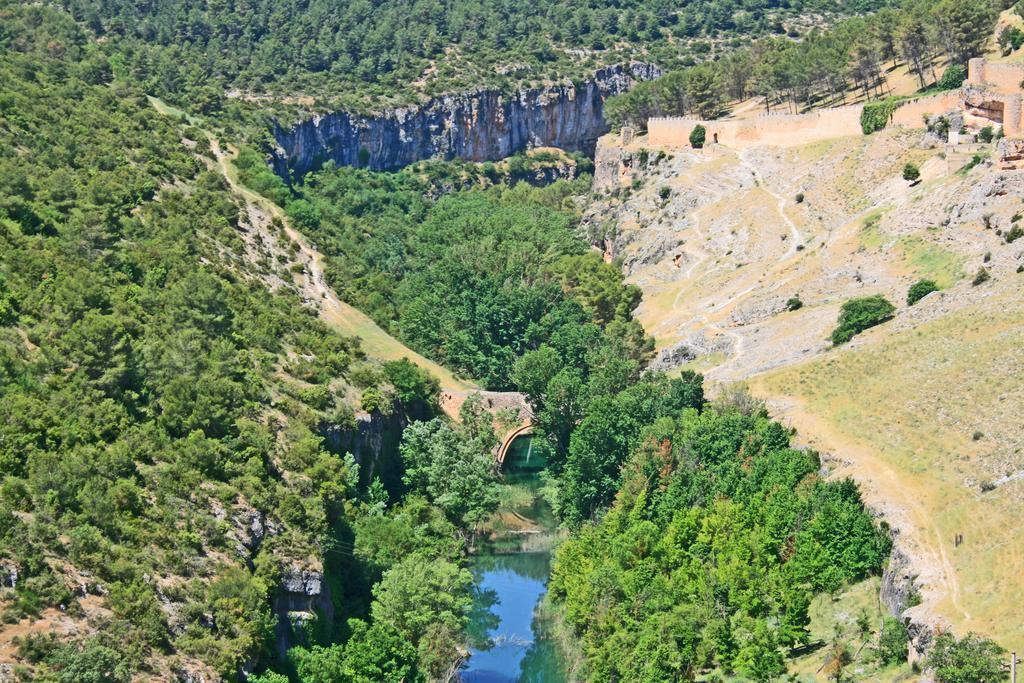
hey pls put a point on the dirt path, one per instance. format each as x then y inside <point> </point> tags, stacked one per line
<point>884,490</point>
<point>795,237</point>
<point>346,319</point>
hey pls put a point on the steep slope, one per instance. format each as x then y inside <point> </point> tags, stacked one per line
<point>921,409</point>
<point>484,125</point>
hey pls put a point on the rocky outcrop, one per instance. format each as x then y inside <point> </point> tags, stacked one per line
<point>476,126</point>
<point>302,598</point>
<point>898,593</point>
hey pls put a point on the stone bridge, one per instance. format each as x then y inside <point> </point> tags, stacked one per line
<point>507,407</point>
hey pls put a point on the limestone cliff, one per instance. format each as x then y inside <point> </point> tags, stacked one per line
<point>477,126</point>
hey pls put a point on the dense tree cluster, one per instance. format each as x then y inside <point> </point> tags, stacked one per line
<point>474,279</point>
<point>153,393</point>
<point>718,538</point>
<point>380,48</point>
<point>820,69</point>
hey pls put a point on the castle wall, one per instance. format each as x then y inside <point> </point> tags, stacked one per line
<point>992,94</point>
<point>1000,77</point>
<point>782,130</point>
<point>911,114</point>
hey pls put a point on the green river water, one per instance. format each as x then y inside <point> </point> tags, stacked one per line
<point>510,641</point>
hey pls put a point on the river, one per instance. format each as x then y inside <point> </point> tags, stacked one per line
<point>509,639</point>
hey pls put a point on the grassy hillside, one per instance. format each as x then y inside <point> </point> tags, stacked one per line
<point>920,409</point>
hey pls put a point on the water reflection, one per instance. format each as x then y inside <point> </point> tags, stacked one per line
<point>508,642</point>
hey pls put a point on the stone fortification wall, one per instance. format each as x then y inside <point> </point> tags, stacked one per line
<point>996,76</point>
<point>911,114</point>
<point>992,94</point>
<point>782,130</point>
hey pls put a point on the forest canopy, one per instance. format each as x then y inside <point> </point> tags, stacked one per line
<point>820,69</point>
<point>393,49</point>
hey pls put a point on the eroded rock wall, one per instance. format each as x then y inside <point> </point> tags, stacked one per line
<point>477,126</point>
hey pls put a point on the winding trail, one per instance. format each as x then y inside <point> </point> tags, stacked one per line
<point>343,317</point>
<point>795,236</point>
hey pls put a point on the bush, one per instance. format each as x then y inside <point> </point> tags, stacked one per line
<point>1014,234</point>
<point>986,134</point>
<point>892,643</point>
<point>911,172</point>
<point>859,314</point>
<point>920,290</point>
<point>953,78</point>
<point>981,277</point>
<point>875,115</point>
<point>939,126</point>
<point>665,192</point>
<point>972,659</point>
<point>697,136</point>
<point>799,199</point>
<point>794,303</point>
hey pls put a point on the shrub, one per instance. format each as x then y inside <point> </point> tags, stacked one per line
<point>794,303</point>
<point>892,643</point>
<point>972,659</point>
<point>986,134</point>
<point>975,160</point>
<point>1010,38</point>
<point>799,198</point>
<point>953,78</point>
<point>374,401</point>
<point>939,126</point>
<point>859,314</point>
<point>981,277</point>
<point>911,172</point>
<point>920,290</point>
<point>1014,234</point>
<point>697,136</point>
<point>665,192</point>
<point>316,396</point>
<point>875,115</point>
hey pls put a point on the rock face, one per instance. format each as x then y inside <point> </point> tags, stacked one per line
<point>898,588</point>
<point>477,126</point>
<point>302,598</point>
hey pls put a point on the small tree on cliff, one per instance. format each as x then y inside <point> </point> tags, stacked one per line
<point>698,135</point>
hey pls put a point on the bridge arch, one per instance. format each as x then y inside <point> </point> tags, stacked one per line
<point>522,430</point>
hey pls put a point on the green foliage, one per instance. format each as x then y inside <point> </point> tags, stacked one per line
<point>413,385</point>
<point>981,277</point>
<point>920,290</point>
<point>373,52</point>
<point>817,70</point>
<point>268,677</point>
<point>911,172</point>
<point>972,659</point>
<point>144,413</point>
<point>794,303</point>
<point>454,467</point>
<point>952,78</point>
<point>608,432</point>
<point>474,279</point>
<point>892,643</point>
<point>717,538</point>
<point>697,136</point>
<point>987,134</point>
<point>857,315</point>
<point>1011,39</point>
<point>875,115</point>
